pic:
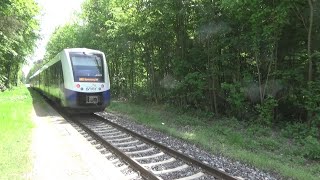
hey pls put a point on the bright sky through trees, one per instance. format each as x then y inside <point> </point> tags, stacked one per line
<point>54,13</point>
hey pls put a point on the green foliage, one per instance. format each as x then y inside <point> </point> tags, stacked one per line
<point>311,148</point>
<point>266,111</point>
<point>63,37</point>
<point>298,131</point>
<point>305,138</point>
<point>193,84</point>
<point>18,33</point>
<point>243,58</point>
<point>236,98</point>
<point>261,147</point>
<point>312,102</point>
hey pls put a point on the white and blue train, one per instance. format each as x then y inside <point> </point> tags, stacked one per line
<point>77,79</point>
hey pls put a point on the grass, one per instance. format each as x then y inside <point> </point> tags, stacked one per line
<point>264,148</point>
<point>15,133</point>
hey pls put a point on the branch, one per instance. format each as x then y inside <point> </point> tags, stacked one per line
<point>298,14</point>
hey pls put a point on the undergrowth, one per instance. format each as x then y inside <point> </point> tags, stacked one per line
<point>289,150</point>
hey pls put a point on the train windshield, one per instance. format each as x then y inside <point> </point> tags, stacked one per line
<point>87,68</point>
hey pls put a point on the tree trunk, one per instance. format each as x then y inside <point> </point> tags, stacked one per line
<point>259,78</point>
<point>214,97</point>
<point>309,40</point>
<point>212,84</point>
<point>132,69</point>
<point>8,68</point>
<point>150,71</point>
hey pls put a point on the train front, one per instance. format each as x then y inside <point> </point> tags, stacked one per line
<point>86,81</point>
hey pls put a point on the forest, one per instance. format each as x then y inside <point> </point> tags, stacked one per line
<point>255,60</point>
<point>19,30</point>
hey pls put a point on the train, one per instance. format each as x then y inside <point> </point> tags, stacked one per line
<point>77,79</point>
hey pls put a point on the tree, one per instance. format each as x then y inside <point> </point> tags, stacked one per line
<point>225,57</point>
<point>18,33</point>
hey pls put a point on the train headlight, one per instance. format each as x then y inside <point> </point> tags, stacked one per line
<point>102,86</point>
<point>78,86</point>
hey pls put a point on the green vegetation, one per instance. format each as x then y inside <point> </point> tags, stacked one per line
<point>253,60</point>
<point>276,150</point>
<point>18,33</point>
<point>15,133</point>
<point>252,66</point>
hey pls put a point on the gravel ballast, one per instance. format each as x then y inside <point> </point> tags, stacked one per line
<point>234,168</point>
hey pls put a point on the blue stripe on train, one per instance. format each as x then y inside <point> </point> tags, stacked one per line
<point>71,97</point>
<point>106,96</point>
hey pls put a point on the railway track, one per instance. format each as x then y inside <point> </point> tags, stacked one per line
<point>151,159</point>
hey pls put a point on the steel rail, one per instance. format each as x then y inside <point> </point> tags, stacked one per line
<point>208,169</point>
<point>133,163</point>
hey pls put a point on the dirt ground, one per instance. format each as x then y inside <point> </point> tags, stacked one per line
<point>60,152</point>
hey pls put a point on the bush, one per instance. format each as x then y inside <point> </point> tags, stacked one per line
<point>298,131</point>
<point>311,148</point>
<point>236,99</point>
<point>312,102</point>
<point>266,111</point>
<point>305,137</point>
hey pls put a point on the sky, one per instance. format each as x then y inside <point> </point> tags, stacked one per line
<point>54,13</point>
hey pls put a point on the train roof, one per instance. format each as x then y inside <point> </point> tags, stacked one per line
<point>84,50</point>
<point>35,74</point>
<point>68,50</point>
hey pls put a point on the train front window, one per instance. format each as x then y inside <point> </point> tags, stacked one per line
<point>87,68</point>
